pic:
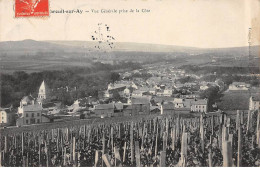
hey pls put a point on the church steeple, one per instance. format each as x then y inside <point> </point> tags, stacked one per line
<point>43,91</point>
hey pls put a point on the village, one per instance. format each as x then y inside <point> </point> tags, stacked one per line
<point>154,89</point>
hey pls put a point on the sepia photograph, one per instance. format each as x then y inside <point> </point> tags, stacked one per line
<point>120,83</point>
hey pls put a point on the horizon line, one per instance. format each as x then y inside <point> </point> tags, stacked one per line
<point>133,42</point>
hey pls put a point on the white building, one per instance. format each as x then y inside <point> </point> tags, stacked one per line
<point>254,103</point>
<point>200,105</point>
<point>239,86</point>
<point>29,111</point>
<point>178,103</point>
<point>6,116</point>
<point>167,92</point>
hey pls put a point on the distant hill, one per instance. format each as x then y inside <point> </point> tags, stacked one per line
<point>129,46</point>
<point>31,55</point>
<point>31,46</point>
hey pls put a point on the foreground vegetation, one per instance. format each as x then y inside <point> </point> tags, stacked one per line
<point>150,141</point>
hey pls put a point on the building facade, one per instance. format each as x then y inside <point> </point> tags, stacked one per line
<point>7,117</point>
<point>200,105</point>
<point>104,110</point>
<point>167,108</point>
<point>140,106</point>
<point>254,103</point>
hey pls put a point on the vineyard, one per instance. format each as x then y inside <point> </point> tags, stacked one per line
<point>147,141</point>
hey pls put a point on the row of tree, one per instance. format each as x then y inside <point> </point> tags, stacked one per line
<point>83,81</point>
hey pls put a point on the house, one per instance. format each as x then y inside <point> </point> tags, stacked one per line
<point>118,109</point>
<point>152,91</point>
<point>200,105</point>
<point>127,110</point>
<point>190,96</point>
<point>104,110</point>
<point>137,93</point>
<point>114,88</point>
<point>30,112</point>
<point>160,92</point>
<point>7,116</point>
<point>167,108</point>
<point>183,103</point>
<point>140,105</point>
<point>162,99</point>
<point>239,86</point>
<point>193,104</point>
<point>143,89</point>
<point>155,110</point>
<point>51,108</point>
<point>178,103</point>
<point>81,104</point>
<point>254,103</point>
<point>167,92</point>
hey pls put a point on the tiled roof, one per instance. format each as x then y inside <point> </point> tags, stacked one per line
<point>27,99</point>
<point>33,107</point>
<point>200,102</point>
<point>140,100</point>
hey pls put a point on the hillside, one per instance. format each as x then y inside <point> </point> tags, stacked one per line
<point>31,55</point>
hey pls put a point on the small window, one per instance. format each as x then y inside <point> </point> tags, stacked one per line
<point>26,115</point>
<point>26,121</point>
<point>32,114</point>
<point>38,114</point>
<point>38,120</point>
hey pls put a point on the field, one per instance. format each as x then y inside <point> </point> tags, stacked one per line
<point>236,100</point>
<point>141,141</point>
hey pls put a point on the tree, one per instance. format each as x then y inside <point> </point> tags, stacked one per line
<point>114,77</point>
<point>116,96</point>
<point>212,94</point>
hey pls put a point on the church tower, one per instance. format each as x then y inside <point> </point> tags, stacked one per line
<point>43,91</point>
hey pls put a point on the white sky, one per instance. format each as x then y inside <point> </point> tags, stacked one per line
<point>197,23</point>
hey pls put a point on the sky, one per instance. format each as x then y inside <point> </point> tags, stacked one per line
<point>194,23</point>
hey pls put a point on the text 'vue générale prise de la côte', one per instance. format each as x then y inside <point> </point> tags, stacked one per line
<point>100,11</point>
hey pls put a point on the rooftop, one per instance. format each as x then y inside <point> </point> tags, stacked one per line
<point>140,100</point>
<point>104,106</point>
<point>200,102</point>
